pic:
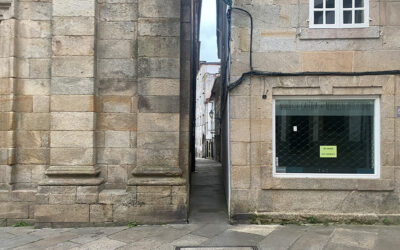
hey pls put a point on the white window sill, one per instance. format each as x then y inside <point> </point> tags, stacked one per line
<point>372,32</point>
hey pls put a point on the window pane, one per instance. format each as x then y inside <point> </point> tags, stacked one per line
<point>318,17</point>
<point>359,3</point>
<point>318,4</point>
<point>325,136</point>
<point>347,3</point>
<point>330,4</point>
<point>347,16</point>
<point>359,16</point>
<point>330,17</point>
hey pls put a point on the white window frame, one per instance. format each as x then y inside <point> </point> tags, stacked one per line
<point>339,15</point>
<point>377,141</point>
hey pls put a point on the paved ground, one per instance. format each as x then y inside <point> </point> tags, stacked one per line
<point>208,227</point>
<point>207,197</point>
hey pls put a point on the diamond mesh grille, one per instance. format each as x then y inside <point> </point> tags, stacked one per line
<point>299,137</point>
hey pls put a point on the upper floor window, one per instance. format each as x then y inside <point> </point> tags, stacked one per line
<point>339,13</point>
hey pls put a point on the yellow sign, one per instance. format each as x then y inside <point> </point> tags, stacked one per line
<point>328,151</point>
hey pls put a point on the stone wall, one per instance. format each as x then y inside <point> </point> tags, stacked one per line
<point>94,111</point>
<point>284,43</point>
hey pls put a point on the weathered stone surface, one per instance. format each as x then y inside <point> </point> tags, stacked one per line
<point>39,68</point>
<point>111,196</point>
<point>117,68</point>
<point>106,121</point>
<point>78,103</point>
<point>14,210</point>
<point>158,140</point>
<point>66,66</point>
<point>159,104</point>
<point>33,48</point>
<point>62,213</point>
<point>34,29</point>
<point>34,121</point>
<point>72,86</point>
<point>34,11</point>
<point>87,194</point>
<point>240,153</point>
<point>33,156</point>
<point>73,26</point>
<point>118,12</point>
<point>73,45</point>
<point>71,156</point>
<point>167,157</point>
<point>159,8</point>
<point>121,87</point>
<point>117,174</point>
<point>158,87</point>
<point>158,122</point>
<point>392,13</point>
<point>158,46</point>
<point>32,139</point>
<point>73,8</point>
<point>71,139</point>
<point>327,61</point>
<point>159,67</point>
<point>156,27</point>
<point>154,195</point>
<point>33,86</point>
<point>101,213</point>
<point>112,49</point>
<point>376,60</point>
<point>41,104</point>
<point>117,30</point>
<point>72,120</point>
<point>116,156</point>
<point>115,104</point>
<point>117,139</point>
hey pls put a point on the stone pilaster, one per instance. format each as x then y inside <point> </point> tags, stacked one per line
<point>158,129</point>
<point>7,97</point>
<point>73,120</point>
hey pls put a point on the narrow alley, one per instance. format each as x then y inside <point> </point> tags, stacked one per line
<point>207,198</point>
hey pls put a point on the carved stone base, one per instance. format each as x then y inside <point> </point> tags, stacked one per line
<point>157,171</point>
<point>72,176</point>
<point>72,170</point>
<point>75,181</point>
<point>156,181</point>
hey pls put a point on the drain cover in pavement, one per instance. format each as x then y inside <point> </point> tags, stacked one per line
<point>216,248</point>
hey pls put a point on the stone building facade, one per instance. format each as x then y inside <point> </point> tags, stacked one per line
<point>284,42</point>
<point>94,111</point>
<point>205,109</point>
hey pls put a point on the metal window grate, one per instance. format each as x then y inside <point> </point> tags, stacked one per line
<point>349,131</point>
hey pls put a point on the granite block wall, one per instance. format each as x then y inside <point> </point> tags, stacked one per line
<point>284,43</point>
<point>94,123</point>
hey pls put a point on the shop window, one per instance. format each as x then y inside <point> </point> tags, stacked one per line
<point>339,13</point>
<point>326,138</point>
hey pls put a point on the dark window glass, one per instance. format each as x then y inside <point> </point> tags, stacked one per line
<point>324,136</point>
<point>347,16</point>
<point>330,3</point>
<point>359,16</point>
<point>347,3</point>
<point>318,17</point>
<point>330,17</point>
<point>359,3</point>
<point>318,4</point>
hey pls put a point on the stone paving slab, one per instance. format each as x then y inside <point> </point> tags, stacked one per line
<point>213,236</point>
